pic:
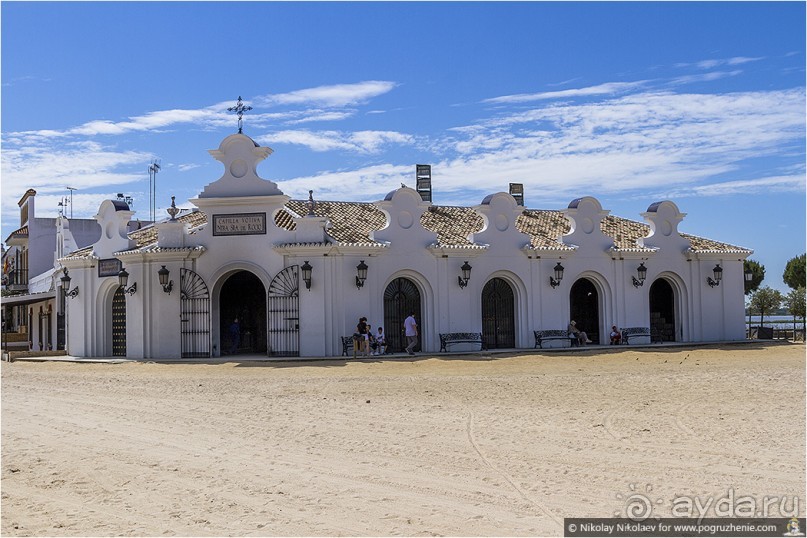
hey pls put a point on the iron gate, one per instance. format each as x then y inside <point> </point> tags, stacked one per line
<point>284,313</point>
<point>498,323</point>
<point>400,298</point>
<point>194,298</point>
<point>119,323</point>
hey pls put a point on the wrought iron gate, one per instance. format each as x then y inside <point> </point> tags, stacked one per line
<point>284,313</point>
<point>194,300</point>
<point>119,323</point>
<point>400,298</point>
<point>498,323</point>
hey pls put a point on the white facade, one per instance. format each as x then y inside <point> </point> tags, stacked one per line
<point>240,255</point>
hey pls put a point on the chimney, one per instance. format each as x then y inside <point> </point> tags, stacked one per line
<point>423,181</point>
<point>517,192</point>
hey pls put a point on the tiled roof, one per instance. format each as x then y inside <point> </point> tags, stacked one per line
<point>352,223</point>
<point>19,233</point>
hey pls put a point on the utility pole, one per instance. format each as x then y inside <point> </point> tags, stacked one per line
<point>154,167</point>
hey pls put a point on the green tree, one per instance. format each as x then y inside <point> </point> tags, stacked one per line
<point>796,303</point>
<point>794,275</point>
<point>764,300</point>
<point>757,275</point>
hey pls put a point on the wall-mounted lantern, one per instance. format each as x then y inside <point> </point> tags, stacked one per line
<point>466,274</point>
<point>66,286</point>
<point>306,269</point>
<point>123,280</point>
<point>361,274</point>
<point>641,272</point>
<point>718,272</point>
<point>555,282</point>
<point>167,284</point>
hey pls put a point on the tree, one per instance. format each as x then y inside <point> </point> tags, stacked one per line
<point>757,275</point>
<point>764,300</point>
<point>796,303</point>
<point>794,275</point>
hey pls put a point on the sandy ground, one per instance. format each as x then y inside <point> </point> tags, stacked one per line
<point>434,446</point>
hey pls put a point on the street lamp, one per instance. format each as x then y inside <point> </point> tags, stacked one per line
<point>66,285</point>
<point>361,274</point>
<point>718,272</point>
<point>642,272</point>
<point>555,282</point>
<point>123,280</point>
<point>466,274</point>
<point>167,285</point>
<point>306,269</point>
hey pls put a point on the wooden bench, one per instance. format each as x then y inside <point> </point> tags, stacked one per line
<point>448,339</point>
<point>629,333</point>
<point>554,335</point>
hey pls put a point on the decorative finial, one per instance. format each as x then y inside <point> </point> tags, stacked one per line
<point>239,109</point>
<point>311,204</point>
<point>173,210</point>
<point>403,186</point>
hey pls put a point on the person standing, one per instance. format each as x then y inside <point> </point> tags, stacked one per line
<point>411,332</point>
<point>235,336</point>
<point>364,342</point>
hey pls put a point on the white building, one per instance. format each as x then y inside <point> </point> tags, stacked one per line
<point>240,255</point>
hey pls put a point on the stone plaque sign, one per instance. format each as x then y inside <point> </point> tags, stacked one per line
<point>239,224</point>
<point>109,267</point>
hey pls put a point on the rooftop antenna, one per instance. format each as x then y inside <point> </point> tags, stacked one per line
<point>154,167</point>
<point>71,189</point>
<point>127,199</point>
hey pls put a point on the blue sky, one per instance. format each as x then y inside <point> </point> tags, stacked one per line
<point>699,103</point>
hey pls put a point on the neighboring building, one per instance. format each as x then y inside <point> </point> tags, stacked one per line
<point>245,251</point>
<point>32,302</point>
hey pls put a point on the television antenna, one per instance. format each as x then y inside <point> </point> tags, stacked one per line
<point>71,189</point>
<point>154,167</point>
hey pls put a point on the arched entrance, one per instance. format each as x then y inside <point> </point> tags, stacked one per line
<point>400,298</point>
<point>498,314</point>
<point>584,308</point>
<point>243,296</point>
<point>662,311</point>
<point>119,323</point>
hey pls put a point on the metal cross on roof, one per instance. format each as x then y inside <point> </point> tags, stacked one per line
<point>239,109</point>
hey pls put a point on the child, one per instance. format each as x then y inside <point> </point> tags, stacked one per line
<point>381,342</point>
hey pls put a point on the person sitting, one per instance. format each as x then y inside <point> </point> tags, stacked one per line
<point>582,337</point>
<point>381,342</point>
<point>616,336</point>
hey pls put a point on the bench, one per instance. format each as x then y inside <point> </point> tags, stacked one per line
<point>634,333</point>
<point>449,339</point>
<point>347,344</point>
<point>554,336</point>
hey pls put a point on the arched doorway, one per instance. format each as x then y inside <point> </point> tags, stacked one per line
<point>242,296</point>
<point>119,323</point>
<point>400,298</point>
<point>662,311</point>
<point>498,314</point>
<point>584,308</point>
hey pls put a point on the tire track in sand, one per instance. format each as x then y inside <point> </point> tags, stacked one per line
<point>470,431</point>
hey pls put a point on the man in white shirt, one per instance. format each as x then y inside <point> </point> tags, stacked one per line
<point>411,332</point>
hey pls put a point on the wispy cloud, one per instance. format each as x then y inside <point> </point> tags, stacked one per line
<point>359,141</point>
<point>609,88</point>
<point>712,63</point>
<point>336,95</point>
<point>705,77</point>
<point>789,183</point>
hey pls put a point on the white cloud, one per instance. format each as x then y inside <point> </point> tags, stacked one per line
<point>187,166</point>
<point>336,95</point>
<point>359,141</point>
<point>608,88</point>
<point>705,77</point>
<point>765,185</point>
